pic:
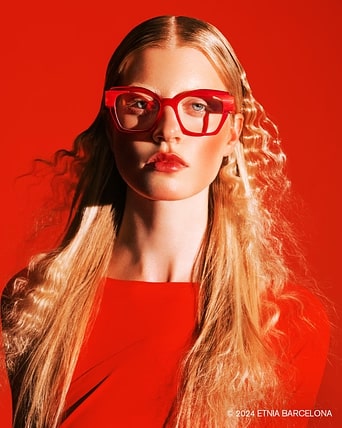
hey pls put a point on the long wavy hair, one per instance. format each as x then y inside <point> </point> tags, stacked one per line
<point>241,267</point>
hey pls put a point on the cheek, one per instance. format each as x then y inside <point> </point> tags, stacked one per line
<point>125,154</point>
<point>212,153</point>
<point>130,157</point>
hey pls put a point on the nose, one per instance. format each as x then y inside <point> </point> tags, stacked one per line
<point>167,128</point>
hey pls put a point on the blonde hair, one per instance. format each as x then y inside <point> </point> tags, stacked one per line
<point>47,311</point>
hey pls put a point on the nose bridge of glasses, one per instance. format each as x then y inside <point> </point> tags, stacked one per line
<point>168,118</point>
<point>171,102</point>
<point>168,102</point>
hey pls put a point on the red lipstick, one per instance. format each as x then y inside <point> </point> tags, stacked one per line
<point>166,162</point>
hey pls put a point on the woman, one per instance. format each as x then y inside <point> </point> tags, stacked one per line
<point>169,301</point>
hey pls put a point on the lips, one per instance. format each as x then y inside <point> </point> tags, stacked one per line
<point>166,162</point>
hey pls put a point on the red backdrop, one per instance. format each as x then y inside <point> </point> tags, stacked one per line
<point>53,63</point>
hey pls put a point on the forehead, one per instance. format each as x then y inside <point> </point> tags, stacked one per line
<point>171,70</point>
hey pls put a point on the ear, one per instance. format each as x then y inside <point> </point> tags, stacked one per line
<point>235,132</point>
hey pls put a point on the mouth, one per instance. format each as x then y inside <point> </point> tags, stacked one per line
<point>166,162</point>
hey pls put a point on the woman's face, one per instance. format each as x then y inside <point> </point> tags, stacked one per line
<point>165,164</point>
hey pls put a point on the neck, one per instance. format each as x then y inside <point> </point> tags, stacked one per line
<point>159,240</point>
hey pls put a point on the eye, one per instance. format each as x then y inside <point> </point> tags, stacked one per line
<point>193,106</point>
<point>136,104</point>
<point>199,107</point>
<point>142,107</point>
<point>139,104</point>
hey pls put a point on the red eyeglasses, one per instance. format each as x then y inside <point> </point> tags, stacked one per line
<point>199,112</point>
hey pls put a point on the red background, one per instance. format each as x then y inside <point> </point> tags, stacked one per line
<point>54,57</point>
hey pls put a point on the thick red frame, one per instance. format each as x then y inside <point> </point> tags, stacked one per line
<point>226,98</point>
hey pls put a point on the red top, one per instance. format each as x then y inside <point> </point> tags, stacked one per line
<point>126,375</point>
